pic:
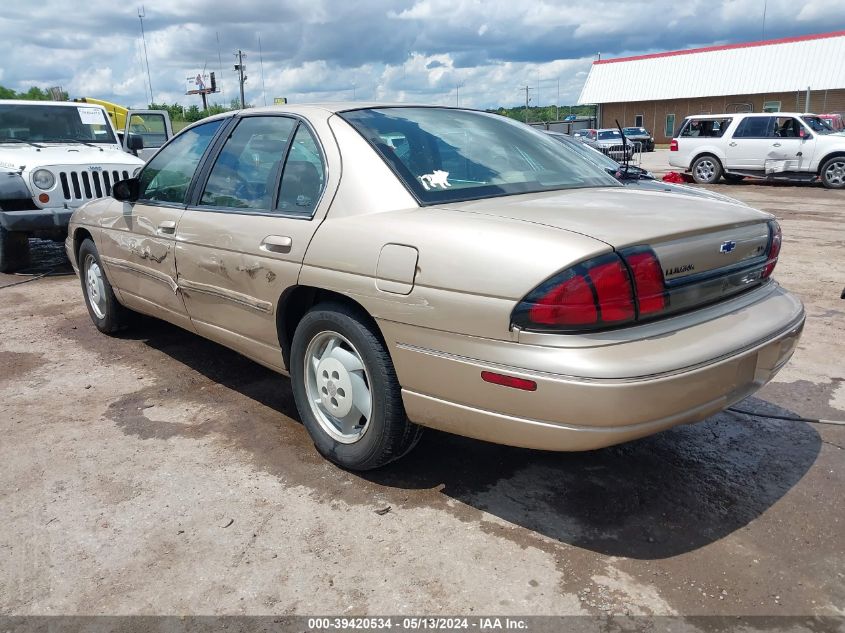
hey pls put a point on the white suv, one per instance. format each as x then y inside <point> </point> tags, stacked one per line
<point>54,156</point>
<point>771,145</point>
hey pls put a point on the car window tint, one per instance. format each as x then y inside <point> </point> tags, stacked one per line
<point>244,174</point>
<point>303,176</point>
<point>756,127</point>
<point>168,174</point>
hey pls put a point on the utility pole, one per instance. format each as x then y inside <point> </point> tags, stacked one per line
<point>240,68</point>
<point>527,89</point>
<point>141,15</point>
<point>557,103</point>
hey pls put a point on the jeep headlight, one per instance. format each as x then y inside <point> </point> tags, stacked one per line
<point>43,179</point>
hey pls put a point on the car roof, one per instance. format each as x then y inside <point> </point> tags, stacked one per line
<point>728,115</point>
<point>68,104</point>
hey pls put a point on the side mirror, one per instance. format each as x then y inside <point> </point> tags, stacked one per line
<point>126,190</point>
<point>134,142</point>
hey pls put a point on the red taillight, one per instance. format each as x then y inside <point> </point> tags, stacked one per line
<point>613,289</point>
<point>648,280</point>
<point>508,381</point>
<point>775,240</point>
<point>597,292</point>
<point>673,145</point>
<point>568,303</point>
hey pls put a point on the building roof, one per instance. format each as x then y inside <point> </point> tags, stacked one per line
<point>782,65</point>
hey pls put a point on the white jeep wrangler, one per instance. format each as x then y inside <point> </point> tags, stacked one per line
<point>54,156</point>
<point>770,145</point>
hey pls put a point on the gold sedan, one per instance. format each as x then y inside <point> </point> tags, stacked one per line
<point>414,267</point>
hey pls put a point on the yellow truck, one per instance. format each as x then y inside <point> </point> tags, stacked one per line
<point>153,127</point>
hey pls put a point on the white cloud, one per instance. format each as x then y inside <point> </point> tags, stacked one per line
<point>399,50</point>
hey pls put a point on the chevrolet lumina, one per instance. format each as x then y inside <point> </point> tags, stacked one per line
<point>414,267</point>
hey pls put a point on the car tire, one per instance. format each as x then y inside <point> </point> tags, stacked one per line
<point>105,310</point>
<point>14,251</point>
<point>833,173</point>
<point>732,179</point>
<point>706,170</point>
<point>346,390</point>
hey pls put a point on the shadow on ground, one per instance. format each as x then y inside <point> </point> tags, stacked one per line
<point>649,499</point>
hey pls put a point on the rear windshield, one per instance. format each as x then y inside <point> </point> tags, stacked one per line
<point>54,124</point>
<point>609,134</point>
<point>450,155</point>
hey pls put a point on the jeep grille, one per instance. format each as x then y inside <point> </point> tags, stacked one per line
<point>85,185</point>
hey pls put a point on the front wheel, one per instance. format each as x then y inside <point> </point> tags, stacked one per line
<point>706,170</point>
<point>106,313</point>
<point>346,390</point>
<point>833,173</point>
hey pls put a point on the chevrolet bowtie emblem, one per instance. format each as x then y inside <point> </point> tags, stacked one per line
<point>727,247</point>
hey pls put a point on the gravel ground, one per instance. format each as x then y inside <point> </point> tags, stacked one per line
<point>159,473</point>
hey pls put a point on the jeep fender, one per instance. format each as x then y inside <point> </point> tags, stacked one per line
<point>13,187</point>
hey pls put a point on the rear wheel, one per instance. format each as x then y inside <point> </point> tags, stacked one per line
<point>833,173</point>
<point>346,389</point>
<point>106,313</point>
<point>14,250</point>
<point>706,170</point>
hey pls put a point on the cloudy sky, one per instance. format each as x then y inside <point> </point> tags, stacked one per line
<point>403,50</point>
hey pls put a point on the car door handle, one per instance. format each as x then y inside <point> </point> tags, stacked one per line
<point>775,144</point>
<point>167,227</point>
<point>277,243</point>
<point>731,144</point>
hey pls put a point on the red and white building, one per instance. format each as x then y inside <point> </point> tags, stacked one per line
<point>795,74</point>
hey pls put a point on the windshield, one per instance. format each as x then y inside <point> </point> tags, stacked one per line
<point>818,125</point>
<point>593,155</point>
<point>636,131</point>
<point>446,155</point>
<point>28,122</point>
<point>609,134</point>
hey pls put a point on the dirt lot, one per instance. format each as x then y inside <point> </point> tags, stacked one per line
<point>160,473</point>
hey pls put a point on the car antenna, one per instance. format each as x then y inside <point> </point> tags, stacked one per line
<point>624,148</point>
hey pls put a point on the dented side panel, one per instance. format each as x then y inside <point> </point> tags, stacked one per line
<point>138,248</point>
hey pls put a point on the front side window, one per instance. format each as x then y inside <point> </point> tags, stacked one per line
<point>245,173</point>
<point>445,155</point>
<point>150,127</point>
<point>26,122</point>
<point>167,176</point>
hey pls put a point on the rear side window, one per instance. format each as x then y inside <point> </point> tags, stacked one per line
<point>303,177</point>
<point>757,127</point>
<point>710,128</point>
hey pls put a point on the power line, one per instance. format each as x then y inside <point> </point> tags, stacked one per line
<point>141,15</point>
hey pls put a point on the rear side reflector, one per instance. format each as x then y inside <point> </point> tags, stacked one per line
<point>508,381</point>
<point>673,145</point>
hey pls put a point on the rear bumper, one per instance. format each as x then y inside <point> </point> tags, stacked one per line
<point>55,219</point>
<point>571,413</point>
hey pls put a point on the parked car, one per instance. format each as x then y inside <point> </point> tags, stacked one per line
<point>772,146</point>
<point>633,176</point>
<point>609,141</point>
<point>53,157</point>
<point>640,135</point>
<point>477,277</point>
<point>588,134</point>
<point>834,120</point>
